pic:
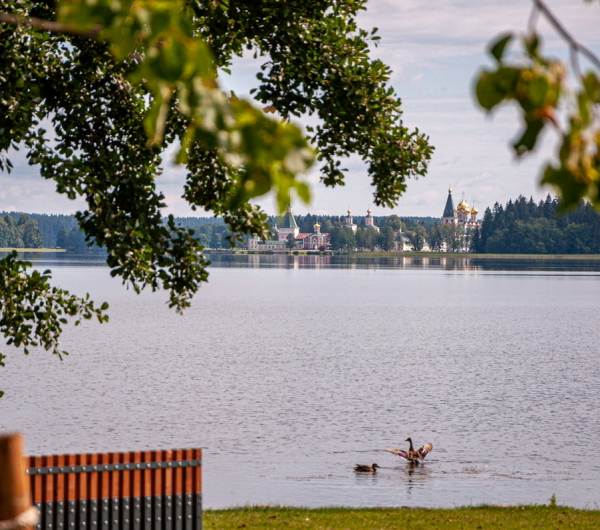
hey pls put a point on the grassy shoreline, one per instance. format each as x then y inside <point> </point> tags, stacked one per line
<point>470,517</point>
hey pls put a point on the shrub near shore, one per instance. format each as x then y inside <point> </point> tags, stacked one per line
<point>478,517</point>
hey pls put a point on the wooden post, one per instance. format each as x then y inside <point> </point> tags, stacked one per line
<point>15,500</point>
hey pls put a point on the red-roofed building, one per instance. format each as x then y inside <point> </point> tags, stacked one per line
<point>316,241</point>
<point>287,227</point>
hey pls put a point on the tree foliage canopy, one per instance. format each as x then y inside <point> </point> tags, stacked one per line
<point>95,91</point>
<point>33,312</point>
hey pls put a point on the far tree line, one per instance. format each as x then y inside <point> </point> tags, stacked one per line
<point>22,230</point>
<point>19,232</point>
<point>521,226</point>
<point>526,227</point>
<point>61,231</point>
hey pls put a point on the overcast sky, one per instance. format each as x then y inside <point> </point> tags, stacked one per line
<point>435,50</point>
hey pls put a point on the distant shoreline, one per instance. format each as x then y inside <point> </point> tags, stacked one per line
<point>471,255</point>
<point>23,250</point>
<point>407,254</point>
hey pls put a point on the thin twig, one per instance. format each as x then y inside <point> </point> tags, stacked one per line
<point>565,34</point>
<point>533,18</point>
<point>49,25</point>
<point>575,61</point>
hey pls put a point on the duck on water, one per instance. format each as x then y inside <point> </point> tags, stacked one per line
<point>411,455</point>
<point>366,469</point>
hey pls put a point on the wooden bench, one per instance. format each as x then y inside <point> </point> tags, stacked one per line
<point>150,490</point>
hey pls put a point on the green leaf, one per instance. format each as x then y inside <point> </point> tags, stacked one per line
<point>303,191</point>
<point>498,47</point>
<point>571,189</point>
<point>538,90</point>
<point>159,21</point>
<point>583,105</point>
<point>529,137</point>
<point>487,92</point>
<point>591,85</point>
<point>155,120</point>
<point>532,43</point>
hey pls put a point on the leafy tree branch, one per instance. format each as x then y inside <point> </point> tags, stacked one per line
<point>32,312</point>
<point>540,85</point>
<point>47,25</point>
<point>539,6</point>
<point>121,82</point>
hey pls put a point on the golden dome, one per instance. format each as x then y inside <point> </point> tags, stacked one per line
<point>349,212</point>
<point>474,210</point>
<point>369,211</point>
<point>316,226</point>
<point>463,206</point>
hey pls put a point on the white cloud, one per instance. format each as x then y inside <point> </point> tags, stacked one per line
<point>22,193</point>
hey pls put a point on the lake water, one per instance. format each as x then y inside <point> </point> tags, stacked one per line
<point>288,371</point>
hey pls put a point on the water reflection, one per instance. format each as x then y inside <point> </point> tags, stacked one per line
<point>344,261</point>
<point>280,261</point>
<point>566,264</point>
<point>61,259</point>
<point>416,475</point>
<point>445,263</point>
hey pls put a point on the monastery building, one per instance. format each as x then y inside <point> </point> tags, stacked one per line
<point>462,215</point>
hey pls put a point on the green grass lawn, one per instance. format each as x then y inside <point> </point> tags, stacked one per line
<point>490,517</point>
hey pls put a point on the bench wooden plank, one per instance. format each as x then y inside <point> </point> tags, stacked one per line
<point>71,508</point>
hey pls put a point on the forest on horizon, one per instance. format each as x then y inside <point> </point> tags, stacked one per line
<point>521,226</point>
<point>62,231</point>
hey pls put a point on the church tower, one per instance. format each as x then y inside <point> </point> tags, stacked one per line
<point>463,211</point>
<point>370,222</point>
<point>449,216</point>
<point>474,212</point>
<point>288,226</point>
<point>352,226</point>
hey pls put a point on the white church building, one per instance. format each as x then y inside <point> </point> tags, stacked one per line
<point>463,215</point>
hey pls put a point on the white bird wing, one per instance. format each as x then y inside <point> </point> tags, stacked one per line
<point>397,452</point>
<point>425,450</point>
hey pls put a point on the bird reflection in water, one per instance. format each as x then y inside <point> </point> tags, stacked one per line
<point>417,475</point>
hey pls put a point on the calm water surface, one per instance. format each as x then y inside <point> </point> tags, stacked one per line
<point>289,371</point>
